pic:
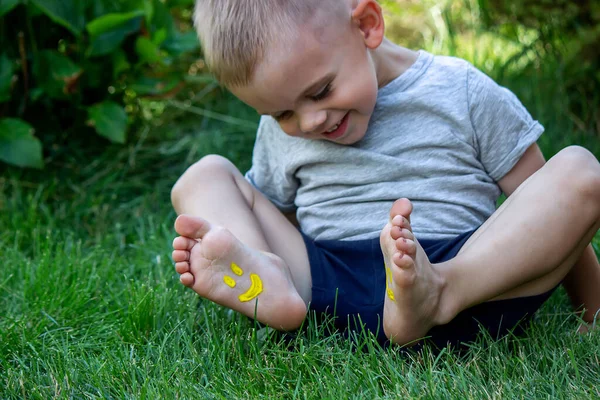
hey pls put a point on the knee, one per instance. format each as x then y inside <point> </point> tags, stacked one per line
<point>581,172</point>
<point>208,167</point>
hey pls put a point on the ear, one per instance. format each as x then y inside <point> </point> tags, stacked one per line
<point>367,15</point>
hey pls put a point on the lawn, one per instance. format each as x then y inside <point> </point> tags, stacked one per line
<point>91,307</point>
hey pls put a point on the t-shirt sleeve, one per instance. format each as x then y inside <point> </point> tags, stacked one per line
<point>269,172</point>
<point>503,129</point>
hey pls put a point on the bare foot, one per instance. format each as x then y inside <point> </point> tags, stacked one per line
<point>217,266</point>
<point>414,287</point>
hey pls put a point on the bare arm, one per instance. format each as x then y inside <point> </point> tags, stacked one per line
<point>530,162</point>
<point>582,282</point>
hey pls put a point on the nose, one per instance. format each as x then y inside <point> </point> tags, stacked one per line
<point>310,120</point>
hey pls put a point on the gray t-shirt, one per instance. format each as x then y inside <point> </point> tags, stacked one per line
<point>442,134</point>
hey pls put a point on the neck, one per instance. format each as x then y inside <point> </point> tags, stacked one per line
<point>391,61</point>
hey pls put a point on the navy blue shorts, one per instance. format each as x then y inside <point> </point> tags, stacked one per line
<point>348,284</point>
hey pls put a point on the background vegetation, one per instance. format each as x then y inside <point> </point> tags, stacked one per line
<point>69,68</point>
<point>90,306</point>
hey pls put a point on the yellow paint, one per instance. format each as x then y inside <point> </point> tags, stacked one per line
<point>255,289</point>
<point>391,295</point>
<point>236,270</point>
<point>388,280</point>
<point>229,281</point>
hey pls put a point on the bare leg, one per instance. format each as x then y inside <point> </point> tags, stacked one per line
<point>527,247</point>
<point>582,286</point>
<point>536,237</point>
<point>246,240</point>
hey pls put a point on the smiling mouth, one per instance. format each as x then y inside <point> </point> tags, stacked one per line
<point>338,130</point>
<point>335,127</point>
<point>256,287</point>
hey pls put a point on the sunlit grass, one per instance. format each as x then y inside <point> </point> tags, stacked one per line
<point>108,319</point>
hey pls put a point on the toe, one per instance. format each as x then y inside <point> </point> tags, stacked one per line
<point>396,232</point>
<point>183,243</point>
<point>182,267</point>
<point>401,222</point>
<point>407,234</point>
<point>402,261</point>
<point>191,227</point>
<point>406,246</point>
<point>401,207</point>
<point>181,255</point>
<point>187,279</point>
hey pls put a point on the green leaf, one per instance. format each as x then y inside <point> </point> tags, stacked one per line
<point>68,13</point>
<point>162,19</point>
<point>56,74</point>
<point>109,119</point>
<point>32,10</point>
<point>109,41</point>
<point>146,5</point>
<point>147,51</point>
<point>7,5</point>
<point>18,146</point>
<point>110,22</point>
<point>148,9</point>
<point>6,76</point>
<point>182,43</point>
<point>159,36</point>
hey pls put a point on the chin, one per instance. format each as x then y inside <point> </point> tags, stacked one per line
<point>353,137</point>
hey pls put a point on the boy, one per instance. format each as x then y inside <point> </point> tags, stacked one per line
<point>354,125</point>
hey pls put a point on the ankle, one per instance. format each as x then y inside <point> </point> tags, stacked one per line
<point>448,305</point>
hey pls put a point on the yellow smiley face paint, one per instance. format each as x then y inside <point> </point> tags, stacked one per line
<point>229,281</point>
<point>255,289</point>
<point>388,280</point>
<point>236,270</point>
<point>256,286</point>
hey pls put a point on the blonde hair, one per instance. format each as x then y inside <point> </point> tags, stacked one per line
<point>236,34</point>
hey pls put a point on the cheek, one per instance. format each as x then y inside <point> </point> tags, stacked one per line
<point>372,90</point>
<point>362,85</point>
<point>367,97</point>
<point>361,95</point>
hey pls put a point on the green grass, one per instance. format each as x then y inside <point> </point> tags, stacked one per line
<point>90,305</point>
<point>106,318</point>
<point>90,317</point>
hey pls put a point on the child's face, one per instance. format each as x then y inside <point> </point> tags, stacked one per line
<point>320,88</point>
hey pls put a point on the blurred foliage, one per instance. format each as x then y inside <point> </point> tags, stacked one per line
<point>514,41</point>
<point>70,68</point>
<point>566,31</point>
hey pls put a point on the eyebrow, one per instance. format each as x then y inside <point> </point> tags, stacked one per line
<point>313,87</point>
